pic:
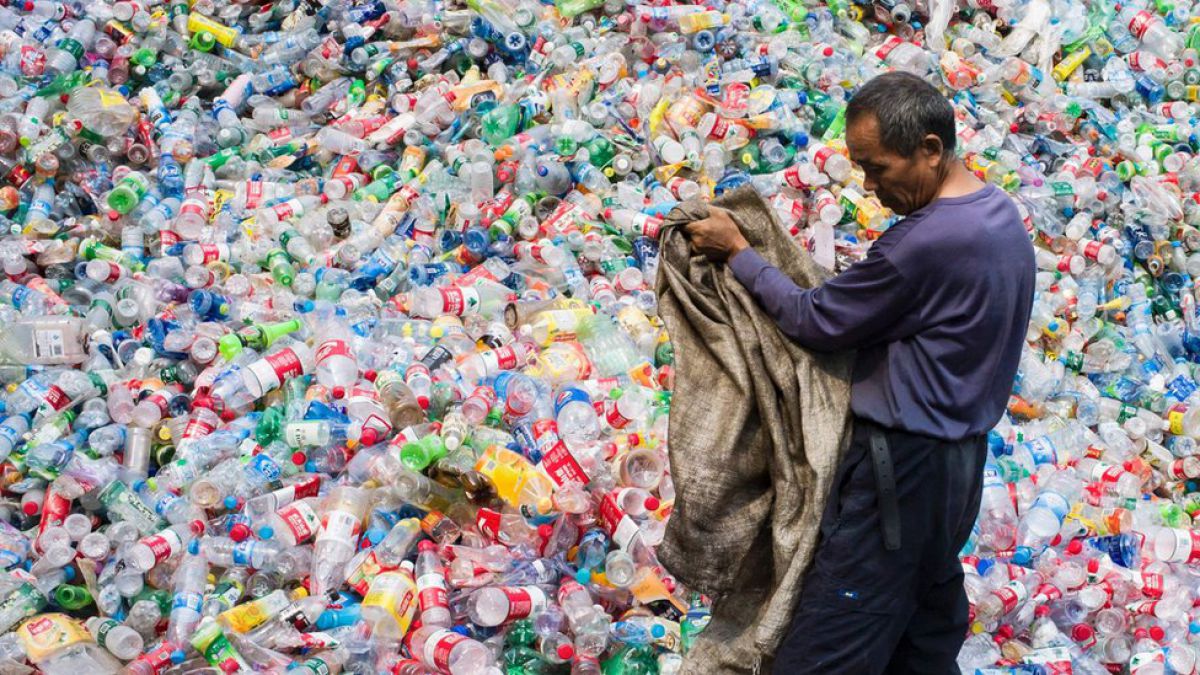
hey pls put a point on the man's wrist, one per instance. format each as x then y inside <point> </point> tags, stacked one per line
<point>737,248</point>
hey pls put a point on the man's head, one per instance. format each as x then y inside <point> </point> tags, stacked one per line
<point>900,130</point>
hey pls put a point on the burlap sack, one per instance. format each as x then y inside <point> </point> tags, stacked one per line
<point>756,430</point>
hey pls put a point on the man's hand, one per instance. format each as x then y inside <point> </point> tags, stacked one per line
<point>716,236</point>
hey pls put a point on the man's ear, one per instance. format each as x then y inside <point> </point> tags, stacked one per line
<point>931,146</point>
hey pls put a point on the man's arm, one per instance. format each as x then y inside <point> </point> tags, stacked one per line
<point>852,310</point>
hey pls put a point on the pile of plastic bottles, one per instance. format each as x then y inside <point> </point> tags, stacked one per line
<point>330,340</point>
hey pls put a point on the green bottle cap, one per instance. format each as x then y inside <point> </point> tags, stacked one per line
<point>123,199</point>
<point>72,597</point>
<point>230,346</point>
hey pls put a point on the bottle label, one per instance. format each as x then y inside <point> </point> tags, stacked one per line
<point>331,348</point>
<point>523,601</point>
<point>432,586</point>
<point>339,526</point>
<point>617,523</point>
<point>562,467</point>
<point>1152,585</point>
<point>791,176</point>
<point>1010,595</point>
<point>570,395</point>
<point>165,501</point>
<point>48,634</point>
<point>246,617</point>
<point>300,519</point>
<point>395,593</point>
<point>49,343</point>
<point>254,192</point>
<point>720,128</point>
<point>123,505</point>
<point>1140,23</point>
<point>1142,61</point>
<point>243,552</point>
<point>543,434</point>
<point>1143,607</point>
<point>286,364</point>
<point>316,666</point>
<point>614,416</point>
<point>432,360</point>
<point>1175,416</point>
<point>488,522</point>
<point>1042,450</point>
<point>886,48</point>
<point>309,486</point>
<point>213,252</point>
<point>1178,470</point>
<point>55,508</point>
<point>265,468</point>
<point>158,660</point>
<point>1187,546</point>
<point>103,628</point>
<point>822,155</point>
<point>1049,591</point>
<point>300,434</point>
<point>647,226</point>
<point>438,647</point>
<point>56,398</point>
<point>228,592</point>
<point>365,572</point>
<point>1054,502</point>
<point>459,300</point>
<point>199,426</point>
<point>193,207</point>
<point>192,601</point>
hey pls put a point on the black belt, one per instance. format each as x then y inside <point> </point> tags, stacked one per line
<point>885,485</point>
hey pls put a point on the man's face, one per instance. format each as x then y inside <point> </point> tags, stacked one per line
<point>903,184</point>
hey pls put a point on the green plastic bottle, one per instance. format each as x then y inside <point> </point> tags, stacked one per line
<point>71,597</point>
<point>571,8</point>
<point>500,123</point>
<point>129,192</point>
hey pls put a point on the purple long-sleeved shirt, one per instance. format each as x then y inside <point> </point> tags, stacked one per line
<point>937,311</point>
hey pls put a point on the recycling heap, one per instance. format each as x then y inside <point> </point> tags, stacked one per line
<point>330,337</point>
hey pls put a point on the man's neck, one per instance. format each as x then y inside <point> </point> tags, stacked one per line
<point>959,182</point>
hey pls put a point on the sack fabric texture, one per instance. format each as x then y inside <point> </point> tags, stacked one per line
<point>757,428</point>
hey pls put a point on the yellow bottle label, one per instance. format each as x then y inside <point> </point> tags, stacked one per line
<point>503,468</point>
<point>110,98</point>
<point>395,593</point>
<point>247,617</point>
<point>224,35</point>
<point>244,618</point>
<point>47,634</point>
<point>1069,64</point>
<point>1175,418</point>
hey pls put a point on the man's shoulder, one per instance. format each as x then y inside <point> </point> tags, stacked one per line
<point>939,238</point>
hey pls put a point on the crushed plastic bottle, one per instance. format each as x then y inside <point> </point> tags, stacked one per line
<point>330,339</point>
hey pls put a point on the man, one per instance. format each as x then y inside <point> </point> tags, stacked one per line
<point>937,311</point>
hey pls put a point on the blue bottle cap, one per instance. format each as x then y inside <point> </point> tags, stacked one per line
<point>1022,556</point>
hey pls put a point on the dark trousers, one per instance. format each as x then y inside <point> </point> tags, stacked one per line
<point>867,609</point>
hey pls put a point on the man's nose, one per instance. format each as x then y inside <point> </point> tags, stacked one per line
<point>870,184</point>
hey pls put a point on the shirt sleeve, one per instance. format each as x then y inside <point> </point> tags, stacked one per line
<point>861,306</point>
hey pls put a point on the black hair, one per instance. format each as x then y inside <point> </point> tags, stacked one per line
<point>907,109</point>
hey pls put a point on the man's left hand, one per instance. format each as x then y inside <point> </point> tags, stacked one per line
<point>716,236</point>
